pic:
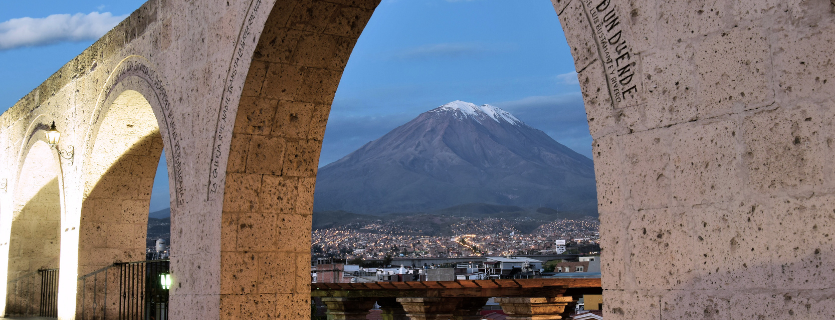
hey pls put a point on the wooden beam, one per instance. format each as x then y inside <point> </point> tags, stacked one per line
<point>461,288</point>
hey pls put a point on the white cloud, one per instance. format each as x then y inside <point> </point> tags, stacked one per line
<point>28,32</point>
<point>568,79</point>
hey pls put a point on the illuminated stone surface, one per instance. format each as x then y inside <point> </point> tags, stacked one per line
<point>713,148</point>
<point>35,233</point>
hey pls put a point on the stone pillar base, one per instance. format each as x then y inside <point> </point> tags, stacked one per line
<point>442,308</point>
<point>535,308</point>
<point>348,308</point>
<point>428,308</point>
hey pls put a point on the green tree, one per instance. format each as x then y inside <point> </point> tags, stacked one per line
<point>550,265</point>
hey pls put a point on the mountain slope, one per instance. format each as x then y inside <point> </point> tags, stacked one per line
<point>456,154</point>
<point>161,214</point>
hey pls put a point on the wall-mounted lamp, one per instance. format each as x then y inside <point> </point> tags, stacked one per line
<point>52,138</point>
<point>165,280</point>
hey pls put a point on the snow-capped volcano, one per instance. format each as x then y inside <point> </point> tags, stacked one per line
<point>456,154</point>
<point>482,112</point>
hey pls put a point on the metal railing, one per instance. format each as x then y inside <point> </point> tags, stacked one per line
<point>23,294</point>
<point>98,305</point>
<point>140,295</point>
<point>48,306</point>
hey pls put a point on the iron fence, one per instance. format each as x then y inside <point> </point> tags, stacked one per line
<point>23,294</point>
<point>142,295</point>
<point>48,306</point>
<point>94,288</point>
<point>126,291</point>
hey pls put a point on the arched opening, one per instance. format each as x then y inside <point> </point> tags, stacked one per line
<point>487,52</point>
<point>444,187</point>
<point>36,229</point>
<point>119,177</point>
<point>159,215</point>
<point>274,152</point>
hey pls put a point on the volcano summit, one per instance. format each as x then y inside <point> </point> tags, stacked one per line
<point>455,154</point>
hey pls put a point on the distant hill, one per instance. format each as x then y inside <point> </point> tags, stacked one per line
<point>438,222</point>
<point>484,210</point>
<point>332,219</point>
<point>548,213</point>
<point>480,210</point>
<point>164,213</point>
<point>454,155</point>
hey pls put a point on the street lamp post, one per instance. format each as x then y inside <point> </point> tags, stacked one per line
<point>52,138</point>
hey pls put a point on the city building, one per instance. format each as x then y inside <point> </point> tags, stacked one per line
<point>559,246</point>
<point>158,252</point>
<point>508,267</point>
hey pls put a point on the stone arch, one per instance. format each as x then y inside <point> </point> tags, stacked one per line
<point>685,121</point>
<point>275,143</point>
<point>34,224</point>
<point>724,151</point>
<point>137,74</point>
<point>120,161</point>
<point>645,82</point>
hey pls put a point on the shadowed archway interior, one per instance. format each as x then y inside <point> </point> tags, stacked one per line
<point>36,229</point>
<point>118,191</point>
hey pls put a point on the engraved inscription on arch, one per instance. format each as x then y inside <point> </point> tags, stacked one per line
<point>134,67</point>
<point>615,50</point>
<point>232,88</point>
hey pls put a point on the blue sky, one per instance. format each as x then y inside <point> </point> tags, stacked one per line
<point>413,56</point>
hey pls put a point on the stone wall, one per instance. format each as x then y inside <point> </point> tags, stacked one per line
<point>34,242</point>
<point>274,155</point>
<point>714,174</point>
<point>712,133</point>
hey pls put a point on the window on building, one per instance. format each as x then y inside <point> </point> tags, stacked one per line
<point>579,269</point>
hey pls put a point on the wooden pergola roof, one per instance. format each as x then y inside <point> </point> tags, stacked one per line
<point>461,288</point>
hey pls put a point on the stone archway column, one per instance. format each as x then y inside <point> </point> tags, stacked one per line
<point>71,199</point>
<point>5,237</point>
<point>273,142</point>
<point>68,273</point>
